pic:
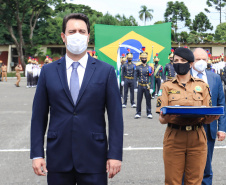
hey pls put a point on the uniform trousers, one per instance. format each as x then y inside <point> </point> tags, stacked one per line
<point>143,90</point>
<point>75,178</point>
<point>4,74</point>
<point>121,90</point>
<point>35,80</point>
<point>157,84</point>
<point>29,79</point>
<point>129,84</point>
<point>184,152</point>
<point>208,173</point>
<point>18,79</point>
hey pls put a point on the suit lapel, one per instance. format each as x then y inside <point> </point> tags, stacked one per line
<point>90,68</point>
<point>61,68</point>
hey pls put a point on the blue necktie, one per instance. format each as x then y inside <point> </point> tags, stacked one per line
<point>200,75</point>
<point>74,82</point>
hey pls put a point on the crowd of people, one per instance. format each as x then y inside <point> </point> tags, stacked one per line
<point>33,69</point>
<point>189,79</point>
<point>78,89</point>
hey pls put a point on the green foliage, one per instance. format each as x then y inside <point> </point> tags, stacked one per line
<point>201,23</point>
<point>193,38</point>
<point>77,8</point>
<point>220,33</point>
<point>183,36</point>
<point>159,22</point>
<point>209,38</point>
<point>144,14</point>
<point>177,12</point>
<point>217,4</point>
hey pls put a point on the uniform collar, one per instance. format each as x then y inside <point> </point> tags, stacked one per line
<point>175,79</point>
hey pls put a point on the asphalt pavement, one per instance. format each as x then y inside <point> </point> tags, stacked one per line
<point>142,156</point>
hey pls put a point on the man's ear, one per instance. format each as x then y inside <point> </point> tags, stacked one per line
<point>63,37</point>
<point>88,37</point>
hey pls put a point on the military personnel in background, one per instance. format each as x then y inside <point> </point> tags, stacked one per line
<point>35,72</point>
<point>169,71</point>
<point>209,64</point>
<point>18,68</point>
<point>217,66</point>
<point>221,62</point>
<point>144,76</point>
<point>128,72</point>
<point>46,61</point>
<point>94,54</point>
<point>158,70</point>
<point>4,72</point>
<point>0,70</point>
<point>123,60</point>
<point>29,73</point>
<point>223,77</point>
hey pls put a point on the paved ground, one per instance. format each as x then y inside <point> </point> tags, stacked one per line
<point>142,165</point>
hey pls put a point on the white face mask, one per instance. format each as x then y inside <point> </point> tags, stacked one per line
<point>76,43</point>
<point>200,65</point>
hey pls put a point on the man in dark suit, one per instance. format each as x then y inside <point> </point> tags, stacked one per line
<point>218,127</point>
<point>77,89</point>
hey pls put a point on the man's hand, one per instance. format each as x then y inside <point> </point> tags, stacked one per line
<point>113,167</point>
<point>39,166</point>
<point>210,119</point>
<point>220,136</point>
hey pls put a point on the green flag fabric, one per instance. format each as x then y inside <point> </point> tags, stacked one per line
<point>110,39</point>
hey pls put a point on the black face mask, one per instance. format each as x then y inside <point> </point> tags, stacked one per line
<point>208,65</point>
<point>156,62</point>
<point>182,69</point>
<point>144,61</point>
<point>171,61</point>
<point>129,60</point>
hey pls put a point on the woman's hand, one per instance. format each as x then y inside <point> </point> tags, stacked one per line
<point>164,119</point>
<point>210,119</point>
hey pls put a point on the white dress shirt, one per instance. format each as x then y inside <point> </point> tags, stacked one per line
<point>81,68</point>
<point>195,74</point>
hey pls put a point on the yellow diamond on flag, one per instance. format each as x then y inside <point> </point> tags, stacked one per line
<point>111,49</point>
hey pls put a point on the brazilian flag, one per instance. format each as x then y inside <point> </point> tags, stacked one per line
<point>110,40</point>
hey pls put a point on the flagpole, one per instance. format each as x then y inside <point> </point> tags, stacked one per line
<point>118,65</point>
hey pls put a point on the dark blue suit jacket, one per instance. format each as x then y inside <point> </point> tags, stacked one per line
<point>218,99</point>
<point>77,134</point>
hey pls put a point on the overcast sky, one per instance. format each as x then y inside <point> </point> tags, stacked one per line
<point>132,7</point>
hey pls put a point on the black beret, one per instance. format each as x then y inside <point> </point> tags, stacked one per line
<point>185,53</point>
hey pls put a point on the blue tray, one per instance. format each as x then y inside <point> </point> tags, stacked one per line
<point>193,111</point>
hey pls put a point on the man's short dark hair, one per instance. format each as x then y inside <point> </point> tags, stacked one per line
<point>75,16</point>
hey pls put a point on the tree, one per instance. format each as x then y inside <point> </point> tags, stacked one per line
<point>13,14</point>
<point>144,14</point>
<point>218,4</point>
<point>77,8</point>
<point>201,23</point>
<point>193,38</point>
<point>183,36</point>
<point>175,13</point>
<point>220,33</point>
<point>159,22</point>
